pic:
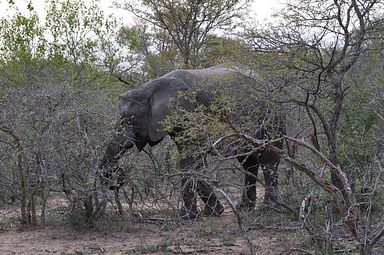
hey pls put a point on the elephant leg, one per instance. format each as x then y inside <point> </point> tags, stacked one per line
<point>248,199</point>
<point>271,183</point>
<point>188,209</point>
<point>212,207</point>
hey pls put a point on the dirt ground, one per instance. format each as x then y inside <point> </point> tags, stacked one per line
<point>219,235</point>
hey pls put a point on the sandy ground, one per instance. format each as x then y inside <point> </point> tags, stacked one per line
<point>207,236</point>
<point>64,241</point>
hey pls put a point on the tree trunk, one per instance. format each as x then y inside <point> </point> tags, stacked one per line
<point>118,203</point>
<point>88,206</point>
<point>43,209</point>
<point>22,171</point>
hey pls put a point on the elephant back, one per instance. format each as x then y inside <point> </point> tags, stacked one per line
<point>211,79</point>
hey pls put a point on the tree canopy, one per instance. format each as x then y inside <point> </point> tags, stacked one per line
<point>189,22</point>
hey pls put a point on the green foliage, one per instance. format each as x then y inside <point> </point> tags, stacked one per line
<point>113,223</point>
<point>73,42</point>
<point>21,37</point>
<point>226,240</point>
<point>77,29</point>
<point>134,37</point>
<point>207,228</point>
<point>78,220</point>
<point>201,127</point>
<point>358,131</point>
<point>220,49</point>
<point>22,49</point>
<point>163,247</point>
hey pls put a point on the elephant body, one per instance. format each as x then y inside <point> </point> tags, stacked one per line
<point>142,110</point>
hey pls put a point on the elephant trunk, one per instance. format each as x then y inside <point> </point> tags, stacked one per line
<point>119,144</point>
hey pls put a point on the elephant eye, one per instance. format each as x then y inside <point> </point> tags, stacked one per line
<point>126,120</point>
<point>129,118</point>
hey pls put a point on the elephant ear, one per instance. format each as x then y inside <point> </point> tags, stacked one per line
<point>166,89</point>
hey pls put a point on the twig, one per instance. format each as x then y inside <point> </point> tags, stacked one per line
<point>239,220</point>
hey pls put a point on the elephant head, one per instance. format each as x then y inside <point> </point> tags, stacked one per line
<point>141,112</point>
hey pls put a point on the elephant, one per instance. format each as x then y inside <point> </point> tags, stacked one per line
<point>140,123</point>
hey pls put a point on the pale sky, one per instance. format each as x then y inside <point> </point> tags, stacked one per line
<point>263,9</point>
<point>39,6</point>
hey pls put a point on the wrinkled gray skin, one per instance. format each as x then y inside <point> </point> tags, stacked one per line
<point>141,111</point>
